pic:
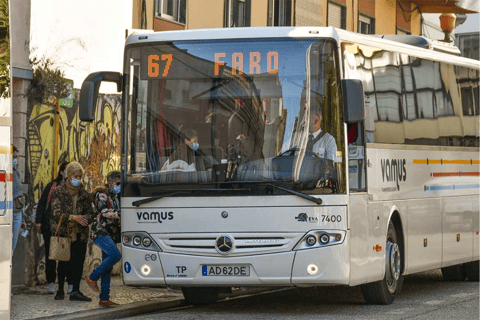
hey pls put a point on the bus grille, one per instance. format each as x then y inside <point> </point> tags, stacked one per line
<point>245,243</point>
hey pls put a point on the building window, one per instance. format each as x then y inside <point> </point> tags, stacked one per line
<point>366,25</point>
<point>280,13</point>
<point>237,13</point>
<point>469,45</point>
<point>174,10</point>
<point>337,16</point>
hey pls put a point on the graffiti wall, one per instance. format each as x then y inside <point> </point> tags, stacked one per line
<point>95,145</point>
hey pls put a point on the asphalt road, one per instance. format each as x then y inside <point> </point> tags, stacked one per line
<point>424,296</point>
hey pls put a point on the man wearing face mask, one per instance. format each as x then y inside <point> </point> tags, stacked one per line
<point>105,233</point>
<point>185,156</point>
<point>18,201</point>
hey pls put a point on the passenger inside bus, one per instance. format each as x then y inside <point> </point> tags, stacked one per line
<point>184,157</point>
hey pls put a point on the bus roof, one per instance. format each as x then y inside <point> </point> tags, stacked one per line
<point>234,33</point>
<point>432,50</point>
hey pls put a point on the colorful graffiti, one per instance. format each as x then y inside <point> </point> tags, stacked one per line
<point>95,145</point>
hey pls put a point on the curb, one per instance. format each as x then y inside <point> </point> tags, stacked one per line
<point>127,310</point>
<point>139,308</point>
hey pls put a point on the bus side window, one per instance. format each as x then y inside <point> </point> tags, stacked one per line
<point>356,158</point>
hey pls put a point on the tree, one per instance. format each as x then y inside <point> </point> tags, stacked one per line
<point>4,50</point>
<point>48,82</point>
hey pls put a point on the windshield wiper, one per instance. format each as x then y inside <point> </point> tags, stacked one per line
<point>138,203</point>
<point>299,194</point>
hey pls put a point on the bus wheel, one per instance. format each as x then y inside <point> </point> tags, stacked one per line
<point>384,291</point>
<point>200,295</point>
<point>471,269</point>
<point>454,273</point>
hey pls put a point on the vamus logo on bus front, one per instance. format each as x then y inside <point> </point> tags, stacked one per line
<point>393,170</point>
<point>154,217</point>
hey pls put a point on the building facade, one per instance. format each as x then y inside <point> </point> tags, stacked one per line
<point>364,16</point>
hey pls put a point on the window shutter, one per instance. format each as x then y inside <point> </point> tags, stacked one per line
<point>248,12</point>
<point>334,15</point>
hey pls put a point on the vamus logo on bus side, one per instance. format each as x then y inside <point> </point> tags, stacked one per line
<point>393,170</point>
<point>154,217</point>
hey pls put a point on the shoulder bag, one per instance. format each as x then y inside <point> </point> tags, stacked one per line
<point>59,246</point>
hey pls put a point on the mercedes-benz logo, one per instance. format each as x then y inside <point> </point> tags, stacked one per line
<point>224,244</point>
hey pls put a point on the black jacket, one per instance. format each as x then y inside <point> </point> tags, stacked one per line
<point>44,210</point>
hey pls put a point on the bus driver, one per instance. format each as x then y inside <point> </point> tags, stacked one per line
<point>320,142</point>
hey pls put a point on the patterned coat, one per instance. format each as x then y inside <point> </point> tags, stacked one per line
<point>62,203</point>
<point>106,204</point>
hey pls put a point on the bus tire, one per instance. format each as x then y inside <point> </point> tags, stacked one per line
<point>200,295</point>
<point>454,273</point>
<point>385,291</point>
<point>472,269</point>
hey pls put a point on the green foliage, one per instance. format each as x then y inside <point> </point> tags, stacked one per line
<point>4,50</point>
<point>48,82</point>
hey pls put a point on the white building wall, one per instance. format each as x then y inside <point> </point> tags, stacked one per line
<point>81,36</point>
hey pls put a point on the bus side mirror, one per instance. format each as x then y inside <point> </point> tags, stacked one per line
<point>353,101</point>
<point>89,92</point>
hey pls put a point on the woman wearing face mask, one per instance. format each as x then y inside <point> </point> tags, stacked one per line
<point>42,219</point>
<point>105,234</point>
<point>72,208</point>
<point>185,156</point>
<point>18,201</point>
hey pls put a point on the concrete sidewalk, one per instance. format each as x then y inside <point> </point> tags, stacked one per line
<point>35,303</point>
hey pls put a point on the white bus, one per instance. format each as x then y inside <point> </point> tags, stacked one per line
<point>389,188</point>
<point>6,207</point>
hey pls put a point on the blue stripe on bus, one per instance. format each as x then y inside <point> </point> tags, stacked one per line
<point>452,187</point>
<point>9,205</point>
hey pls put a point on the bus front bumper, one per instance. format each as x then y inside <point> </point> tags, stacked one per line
<point>321,266</point>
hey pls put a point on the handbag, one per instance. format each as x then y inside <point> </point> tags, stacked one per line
<point>59,246</point>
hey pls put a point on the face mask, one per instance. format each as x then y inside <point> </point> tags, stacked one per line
<point>15,162</point>
<point>75,182</point>
<point>117,189</point>
<point>195,146</point>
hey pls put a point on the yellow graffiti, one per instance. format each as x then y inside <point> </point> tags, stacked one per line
<point>95,145</point>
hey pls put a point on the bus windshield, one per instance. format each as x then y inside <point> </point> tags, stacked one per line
<point>226,112</point>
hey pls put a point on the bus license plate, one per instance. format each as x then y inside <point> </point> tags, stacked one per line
<point>238,271</point>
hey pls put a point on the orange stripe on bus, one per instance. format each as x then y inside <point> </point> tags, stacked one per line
<point>442,161</point>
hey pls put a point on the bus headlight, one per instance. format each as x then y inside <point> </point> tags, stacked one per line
<point>139,240</point>
<point>146,242</point>
<point>324,238</point>
<point>145,269</point>
<point>320,238</point>
<point>311,240</point>
<point>312,269</point>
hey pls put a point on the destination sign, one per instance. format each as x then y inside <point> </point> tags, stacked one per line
<point>178,64</point>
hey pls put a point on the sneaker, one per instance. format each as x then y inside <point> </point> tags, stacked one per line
<point>107,303</point>
<point>60,295</point>
<point>69,288</point>
<point>92,284</point>
<point>78,296</point>
<point>51,288</point>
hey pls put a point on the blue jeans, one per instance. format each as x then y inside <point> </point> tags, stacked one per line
<point>16,225</point>
<point>110,256</point>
